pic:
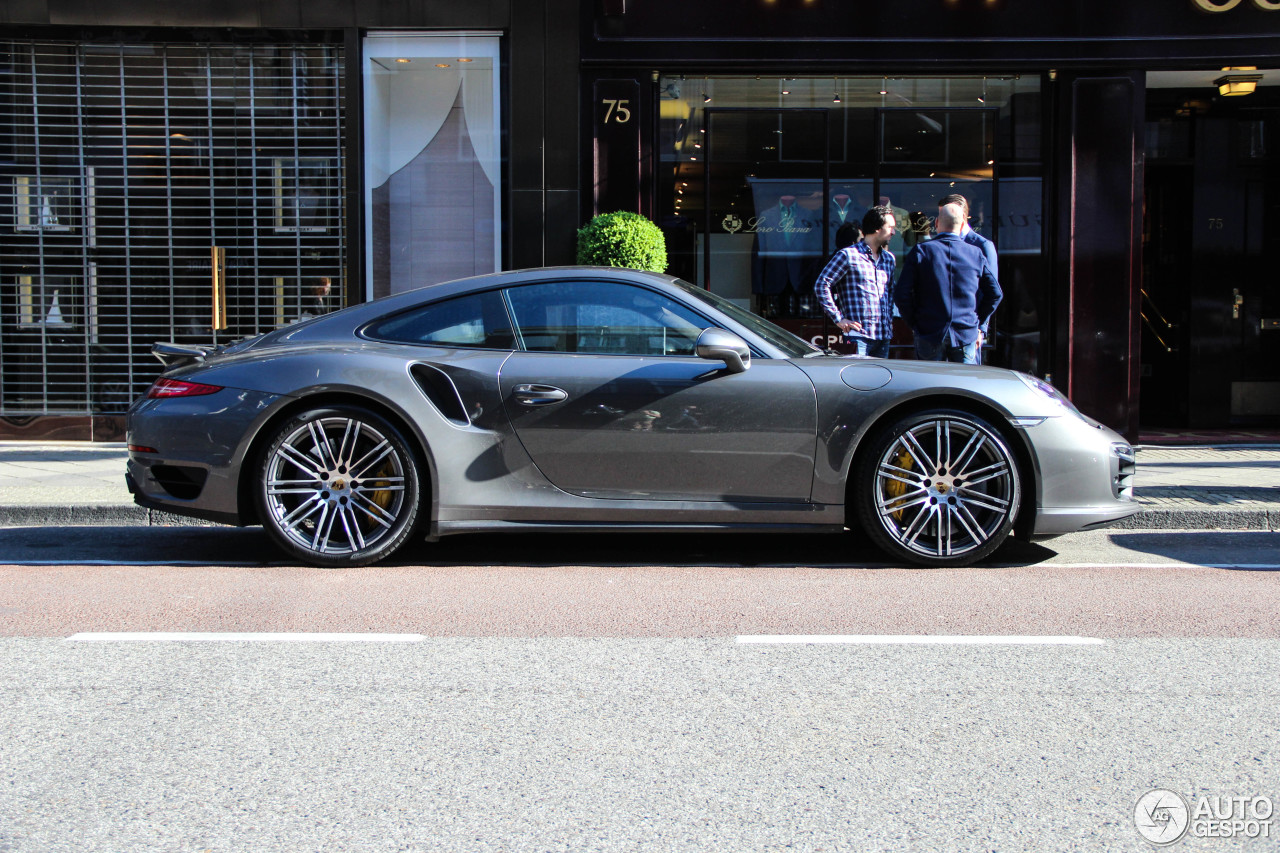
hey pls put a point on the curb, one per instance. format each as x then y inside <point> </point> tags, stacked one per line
<point>1265,518</point>
<point>94,515</point>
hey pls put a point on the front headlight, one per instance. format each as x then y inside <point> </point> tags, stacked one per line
<point>1036,384</point>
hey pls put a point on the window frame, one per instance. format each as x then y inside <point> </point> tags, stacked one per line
<point>367,330</point>
<point>689,308</point>
<point>692,306</point>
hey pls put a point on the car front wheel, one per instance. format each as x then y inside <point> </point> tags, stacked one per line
<point>938,488</point>
<point>339,486</point>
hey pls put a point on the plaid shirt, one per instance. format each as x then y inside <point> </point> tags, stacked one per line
<point>864,286</point>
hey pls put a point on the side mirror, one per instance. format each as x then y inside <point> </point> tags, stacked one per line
<point>721,345</point>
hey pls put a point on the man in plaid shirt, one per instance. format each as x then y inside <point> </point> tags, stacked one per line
<point>862,277</point>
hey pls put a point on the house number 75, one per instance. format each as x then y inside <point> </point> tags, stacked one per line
<point>618,110</point>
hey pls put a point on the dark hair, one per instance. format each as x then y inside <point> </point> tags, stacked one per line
<point>874,218</point>
<point>848,234</point>
<point>955,198</point>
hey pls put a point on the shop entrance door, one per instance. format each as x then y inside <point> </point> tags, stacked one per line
<point>1210,301</point>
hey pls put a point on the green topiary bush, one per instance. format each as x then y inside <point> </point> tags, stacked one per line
<point>622,239</point>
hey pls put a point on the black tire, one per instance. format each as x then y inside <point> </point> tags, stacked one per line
<point>339,486</point>
<point>937,488</point>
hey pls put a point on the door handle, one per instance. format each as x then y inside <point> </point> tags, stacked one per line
<point>539,395</point>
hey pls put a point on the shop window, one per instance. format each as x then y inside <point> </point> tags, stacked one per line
<point>52,303</point>
<point>764,172</point>
<point>1168,138</point>
<point>1253,140</point>
<point>432,159</point>
<point>46,203</point>
<point>305,193</point>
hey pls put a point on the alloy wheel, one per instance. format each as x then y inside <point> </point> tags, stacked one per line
<point>945,489</point>
<point>339,488</point>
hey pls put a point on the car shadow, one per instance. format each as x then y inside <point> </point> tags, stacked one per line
<point>775,550</point>
<point>239,546</point>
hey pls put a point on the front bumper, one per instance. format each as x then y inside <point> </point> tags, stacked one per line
<point>1086,475</point>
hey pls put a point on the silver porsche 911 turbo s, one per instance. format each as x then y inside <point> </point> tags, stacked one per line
<point>590,399</point>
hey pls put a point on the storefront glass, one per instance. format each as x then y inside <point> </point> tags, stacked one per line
<point>149,192</point>
<point>432,159</point>
<point>757,174</point>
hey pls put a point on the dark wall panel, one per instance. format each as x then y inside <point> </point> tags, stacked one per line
<point>527,96</point>
<point>543,150</point>
<point>562,227</point>
<point>483,14</point>
<point>527,232</point>
<point>24,12</point>
<point>1099,234</point>
<point>1098,33</point>
<point>562,94</point>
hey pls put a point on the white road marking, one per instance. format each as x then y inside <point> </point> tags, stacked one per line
<point>230,637</point>
<point>917,640</point>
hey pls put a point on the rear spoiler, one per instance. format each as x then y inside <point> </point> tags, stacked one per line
<point>173,355</point>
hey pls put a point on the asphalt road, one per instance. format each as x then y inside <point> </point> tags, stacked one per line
<point>613,694</point>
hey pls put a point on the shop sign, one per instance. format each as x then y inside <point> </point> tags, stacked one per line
<point>1228,5</point>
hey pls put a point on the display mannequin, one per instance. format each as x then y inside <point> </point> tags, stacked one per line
<point>841,210</point>
<point>788,240</point>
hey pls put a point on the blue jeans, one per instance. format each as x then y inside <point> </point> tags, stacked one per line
<point>941,351</point>
<point>869,346</point>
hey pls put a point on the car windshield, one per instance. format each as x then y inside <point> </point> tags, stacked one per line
<point>793,346</point>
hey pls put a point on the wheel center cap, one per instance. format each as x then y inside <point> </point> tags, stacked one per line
<point>339,484</point>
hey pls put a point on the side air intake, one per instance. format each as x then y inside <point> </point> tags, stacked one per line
<point>439,389</point>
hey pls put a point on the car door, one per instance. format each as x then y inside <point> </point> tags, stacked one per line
<point>610,401</point>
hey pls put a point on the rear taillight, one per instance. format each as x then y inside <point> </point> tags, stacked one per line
<point>163,389</point>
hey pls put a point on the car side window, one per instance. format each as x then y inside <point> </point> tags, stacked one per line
<point>603,317</point>
<point>475,320</point>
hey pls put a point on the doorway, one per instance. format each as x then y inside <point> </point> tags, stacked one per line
<point>1210,296</point>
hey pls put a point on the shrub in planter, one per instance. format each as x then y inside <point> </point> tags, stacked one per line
<point>622,240</point>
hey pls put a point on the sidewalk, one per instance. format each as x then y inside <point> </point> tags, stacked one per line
<point>1180,488</point>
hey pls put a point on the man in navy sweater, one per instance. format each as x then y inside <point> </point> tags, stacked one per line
<point>970,236</point>
<point>947,292</point>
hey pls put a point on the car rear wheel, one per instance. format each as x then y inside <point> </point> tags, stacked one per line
<point>938,488</point>
<point>339,486</point>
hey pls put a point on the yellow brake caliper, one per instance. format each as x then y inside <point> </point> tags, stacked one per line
<point>895,489</point>
<point>382,497</point>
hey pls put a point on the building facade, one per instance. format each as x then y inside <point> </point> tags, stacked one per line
<point>197,172</point>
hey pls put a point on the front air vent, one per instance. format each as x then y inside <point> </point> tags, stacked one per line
<point>439,389</point>
<point>1125,466</point>
<point>184,482</point>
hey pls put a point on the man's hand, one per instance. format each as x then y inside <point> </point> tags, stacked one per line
<point>847,326</point>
